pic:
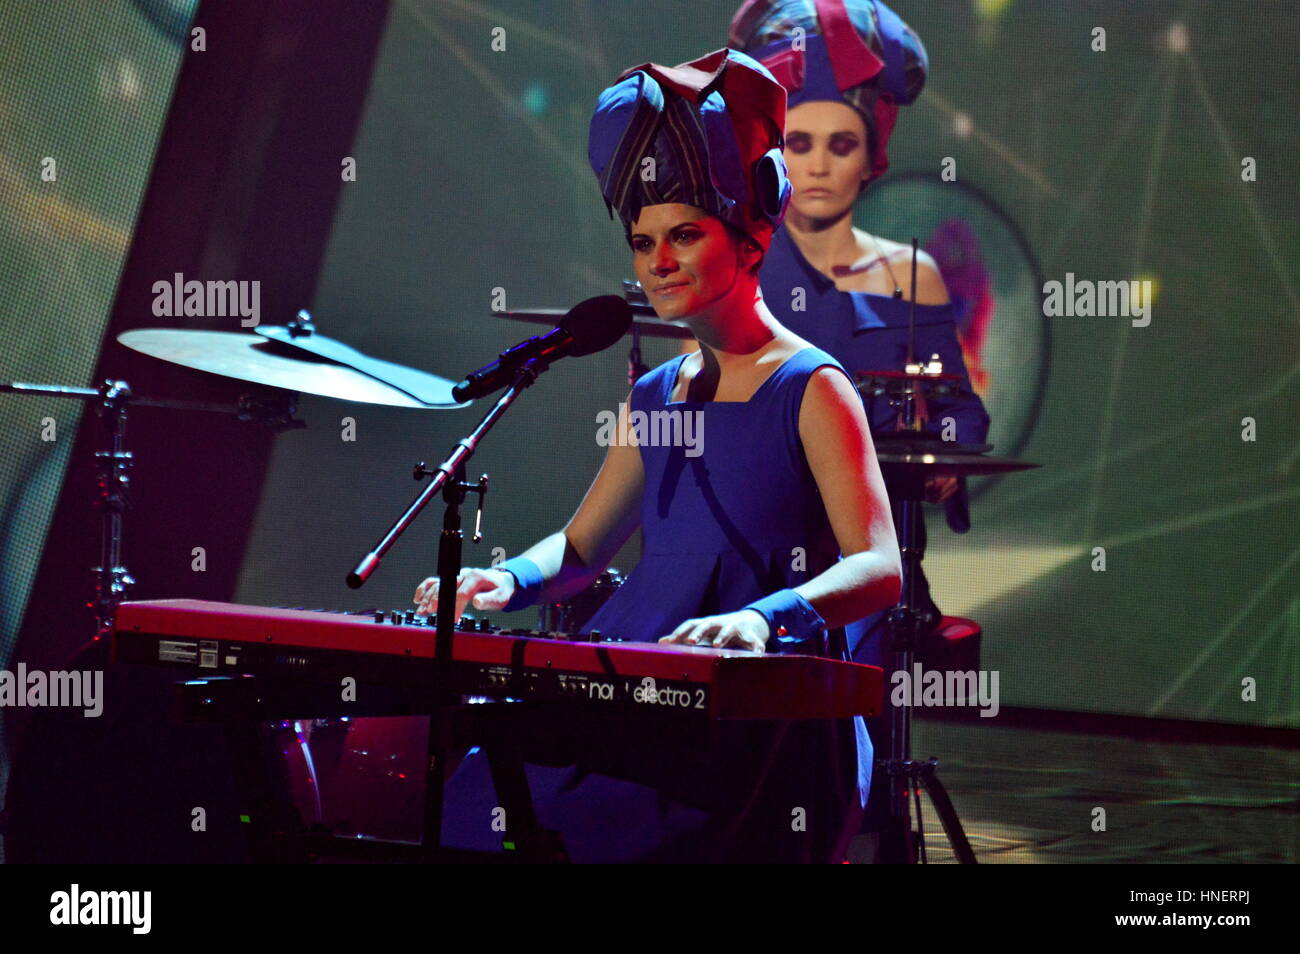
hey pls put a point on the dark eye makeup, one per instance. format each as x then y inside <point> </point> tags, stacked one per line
<point>798,142</point>
<point>841,144</point>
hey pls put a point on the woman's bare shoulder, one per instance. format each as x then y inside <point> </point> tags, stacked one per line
<point>891,250</point>
<point>930,288</point>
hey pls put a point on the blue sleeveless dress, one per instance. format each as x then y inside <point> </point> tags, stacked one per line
<point>727,520</point>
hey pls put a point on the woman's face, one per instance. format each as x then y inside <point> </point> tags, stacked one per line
<point>826,152</point>
<point>685,258</point>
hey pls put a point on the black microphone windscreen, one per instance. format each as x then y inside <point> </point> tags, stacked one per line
<point>596,324</point>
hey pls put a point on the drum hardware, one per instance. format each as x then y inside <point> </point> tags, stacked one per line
<point>569,616</point>
<point>298,358</point>
<point>916,383</point>
<point>113,463</point>
<point>288,367</point>
<point>113,400</point>
<point>925,465</point>
<point>920,442</point>
<point>911,457</point>
<point>294,358</point>
<point>906,474</point>
<point>891,386</point>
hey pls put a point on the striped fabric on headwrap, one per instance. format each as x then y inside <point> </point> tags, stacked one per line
<point>708,133</point>
<point>857,52</point>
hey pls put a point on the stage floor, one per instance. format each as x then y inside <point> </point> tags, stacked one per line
<point>1027,797</point>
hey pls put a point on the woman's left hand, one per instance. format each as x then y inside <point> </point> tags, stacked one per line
<point>743,630</point>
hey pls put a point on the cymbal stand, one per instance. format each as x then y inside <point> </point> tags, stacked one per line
<point>113,467</point>
<point>906,776</point>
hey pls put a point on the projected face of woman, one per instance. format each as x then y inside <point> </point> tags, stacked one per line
<point>826,152</point>
<point>685,259</point>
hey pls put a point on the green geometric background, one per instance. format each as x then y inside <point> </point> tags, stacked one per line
<point>87,85</point>
<point>1115,165</point>
<point>472,176</point>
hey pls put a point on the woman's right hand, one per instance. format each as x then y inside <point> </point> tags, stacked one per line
<point>489,589</point>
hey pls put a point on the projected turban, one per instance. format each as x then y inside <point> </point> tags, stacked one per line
<point>853,51</point>
<point>708,133</point>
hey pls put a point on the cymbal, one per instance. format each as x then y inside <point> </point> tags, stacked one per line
<point>947,465</point>
<point>643,316</point>
<point>251,357</point>
<point>922,442</point>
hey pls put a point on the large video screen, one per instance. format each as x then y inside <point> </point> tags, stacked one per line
<point>1149,566</point>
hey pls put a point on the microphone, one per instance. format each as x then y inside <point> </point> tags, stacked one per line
<point>590,326</point>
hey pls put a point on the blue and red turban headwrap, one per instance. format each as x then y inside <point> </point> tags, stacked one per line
<point>708,133</point>
<point>853,51</point>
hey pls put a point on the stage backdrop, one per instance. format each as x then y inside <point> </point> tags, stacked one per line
<point>84,88</point>
<point>1150,565</point>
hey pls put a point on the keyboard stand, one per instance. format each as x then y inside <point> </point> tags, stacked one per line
<point>274,827</point>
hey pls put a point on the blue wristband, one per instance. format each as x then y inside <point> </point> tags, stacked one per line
<point>528,582</point>
<point>790,617</point>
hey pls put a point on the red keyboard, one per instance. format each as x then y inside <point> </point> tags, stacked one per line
<point>312,647</point>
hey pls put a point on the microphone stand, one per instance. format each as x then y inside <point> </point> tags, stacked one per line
<point>636,367</point>
<point>449,480</point>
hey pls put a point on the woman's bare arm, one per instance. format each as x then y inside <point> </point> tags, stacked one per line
<point>837,442</point>
<point>609,513</point>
